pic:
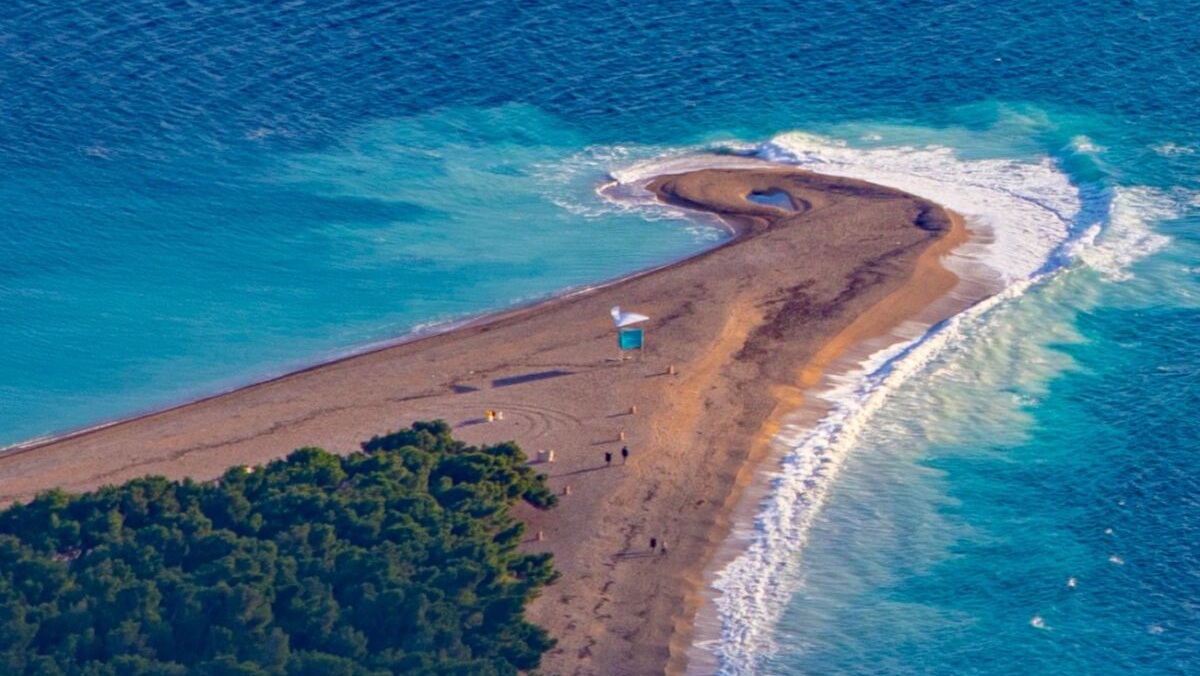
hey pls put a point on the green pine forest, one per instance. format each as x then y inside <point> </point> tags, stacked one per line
<point>399,559</point>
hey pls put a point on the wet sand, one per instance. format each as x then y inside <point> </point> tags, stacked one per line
<point>747,327</point>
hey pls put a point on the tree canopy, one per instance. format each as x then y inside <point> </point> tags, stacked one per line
<point>402,558</point>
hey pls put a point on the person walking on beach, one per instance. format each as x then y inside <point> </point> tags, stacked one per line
<point>624,454</point>
<point>608,458</point>
<point>653,544</point>
<point>662,547</point>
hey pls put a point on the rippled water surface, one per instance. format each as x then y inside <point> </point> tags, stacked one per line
<point>196,195</point>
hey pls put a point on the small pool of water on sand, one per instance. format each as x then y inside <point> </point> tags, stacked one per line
<point>773,198</point>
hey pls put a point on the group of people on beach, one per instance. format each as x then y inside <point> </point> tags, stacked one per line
<point>608,456</point>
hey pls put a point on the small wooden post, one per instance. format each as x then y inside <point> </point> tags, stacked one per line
<point>541,535</point>
<point>621,436</point>
<point>567,489</point>
<point>671,370</point>
<point>633,410</point>
<point>550,455</point>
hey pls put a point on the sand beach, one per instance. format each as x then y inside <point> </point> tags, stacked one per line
<point>818,270</point>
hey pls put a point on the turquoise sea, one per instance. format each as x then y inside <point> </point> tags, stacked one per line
<point>198,195</point>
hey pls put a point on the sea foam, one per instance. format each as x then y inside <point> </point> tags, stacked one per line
<point>1034,222</point>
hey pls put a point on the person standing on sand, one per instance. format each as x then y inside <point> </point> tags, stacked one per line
<point>653,544</point>
<point>608,458</point>
<point>624,454</point>
<point>663,547</point>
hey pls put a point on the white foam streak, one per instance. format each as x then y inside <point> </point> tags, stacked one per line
<point>640,172</point>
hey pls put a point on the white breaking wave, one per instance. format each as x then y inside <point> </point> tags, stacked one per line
<point>1085,144</point>
<point>1036,223</point>
<point>1127,237</point>
<point>1173,149</point>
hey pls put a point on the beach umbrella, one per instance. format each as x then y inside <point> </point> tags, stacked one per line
<point>623,319</point>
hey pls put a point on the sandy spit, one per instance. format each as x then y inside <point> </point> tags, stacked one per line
<point>748,328</point>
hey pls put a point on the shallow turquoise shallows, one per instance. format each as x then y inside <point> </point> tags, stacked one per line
<point>198,195</point>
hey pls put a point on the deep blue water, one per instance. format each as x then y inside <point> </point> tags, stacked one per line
<point>196,195</point>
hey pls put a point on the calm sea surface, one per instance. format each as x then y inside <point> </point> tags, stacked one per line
<point>195,195</point>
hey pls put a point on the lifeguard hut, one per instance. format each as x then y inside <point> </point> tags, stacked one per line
<point>628,338</point>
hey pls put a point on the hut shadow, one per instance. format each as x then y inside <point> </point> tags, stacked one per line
<point>578,471</point>
<point>625,556</point>
<point>530,377</point>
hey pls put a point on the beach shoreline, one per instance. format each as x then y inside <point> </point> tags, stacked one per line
<point>410,337</point>
<point>933,294</point>
<point>739,335</point>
